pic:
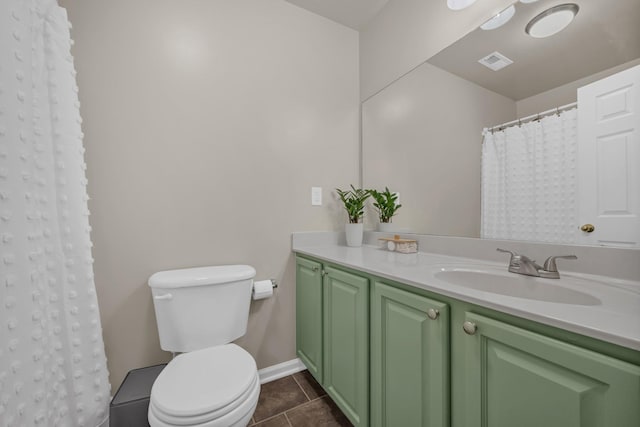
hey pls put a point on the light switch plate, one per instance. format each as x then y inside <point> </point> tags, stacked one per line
<point>316,196</point>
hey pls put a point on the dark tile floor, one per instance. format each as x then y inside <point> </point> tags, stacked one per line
<point>296,401</point>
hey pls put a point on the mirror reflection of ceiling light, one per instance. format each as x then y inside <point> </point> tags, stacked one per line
<point>552,20</point>
<point>459,4</point>
<point>500,19</point>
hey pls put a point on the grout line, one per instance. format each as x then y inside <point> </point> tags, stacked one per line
<point>306,403</point>
<point>301,388</point>
<point>285,412</point>
<point>309,400</point>
<point>271,417</point>
<point>287,418</point>
<point>319,397</point>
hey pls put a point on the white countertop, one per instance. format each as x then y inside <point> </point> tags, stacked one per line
<point>616,319</point>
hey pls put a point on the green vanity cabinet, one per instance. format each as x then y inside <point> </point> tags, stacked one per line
<point>409,359</point>
<point>346,343</point>
<point>393,355</point>
<point>309,315</point>
<point>516,377</point>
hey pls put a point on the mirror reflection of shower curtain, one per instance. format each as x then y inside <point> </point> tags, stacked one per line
<point>529,181</point>
<point>52,361</point>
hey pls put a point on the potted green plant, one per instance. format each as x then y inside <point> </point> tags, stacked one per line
<point>354,201</point>
<point>386,203</point>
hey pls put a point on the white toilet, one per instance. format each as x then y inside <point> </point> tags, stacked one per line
<point>199,312</point>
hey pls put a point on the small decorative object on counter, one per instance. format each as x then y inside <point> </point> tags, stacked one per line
<point>396,244</point>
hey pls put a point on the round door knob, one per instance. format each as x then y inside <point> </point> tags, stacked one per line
<point>433,314</point>
<point>469,328</point>
<point>587,228</point>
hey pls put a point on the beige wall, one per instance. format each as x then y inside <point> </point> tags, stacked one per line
<point>565,94</point>
<point>206,123</point>
<point>422,138</point>
<point>408,32</point>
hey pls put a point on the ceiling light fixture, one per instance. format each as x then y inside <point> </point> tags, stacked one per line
<point>528,1</point>
<point>459,4</point>
<point>552,20</point>
<point>500,19</point>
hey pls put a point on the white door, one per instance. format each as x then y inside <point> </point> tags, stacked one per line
<point>609,160</point>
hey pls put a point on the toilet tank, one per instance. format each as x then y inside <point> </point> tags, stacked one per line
<point>201,307</point>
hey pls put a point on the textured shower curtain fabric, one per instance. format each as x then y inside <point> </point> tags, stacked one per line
<point>52,361</point>
<point>529,181</point>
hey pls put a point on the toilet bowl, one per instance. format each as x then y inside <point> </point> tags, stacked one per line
<point>213,387</point>
<point>199,312</point>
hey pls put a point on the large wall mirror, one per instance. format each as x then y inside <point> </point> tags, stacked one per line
<point>423,134</point>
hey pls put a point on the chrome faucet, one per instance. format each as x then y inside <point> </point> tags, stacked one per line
<point>522,264</point>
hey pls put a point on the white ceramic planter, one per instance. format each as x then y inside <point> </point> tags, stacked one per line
<point>354,234</point>
<point>386,227</point>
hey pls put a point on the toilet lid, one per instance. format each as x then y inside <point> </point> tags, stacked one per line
<point>204,380</point>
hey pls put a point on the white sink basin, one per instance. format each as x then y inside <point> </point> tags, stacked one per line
<point>518,286</point>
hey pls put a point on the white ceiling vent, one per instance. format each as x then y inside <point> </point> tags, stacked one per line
<point>496,61</point>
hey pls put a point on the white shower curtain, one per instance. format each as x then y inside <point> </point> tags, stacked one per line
<point>529,180</point>
<point>52,361</point>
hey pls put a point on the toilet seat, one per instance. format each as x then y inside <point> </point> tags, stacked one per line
<point>217,386</point>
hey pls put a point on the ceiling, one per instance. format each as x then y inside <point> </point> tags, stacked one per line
<point>352,13</point>
<point>604,34</point>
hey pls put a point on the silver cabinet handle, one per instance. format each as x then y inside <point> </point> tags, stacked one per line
<point>469,328</point>
<point>433,314</point>
<point>324,273</point>
<point>315,269</point>
<point>163,297</point>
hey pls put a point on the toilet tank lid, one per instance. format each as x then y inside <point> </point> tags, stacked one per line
<point>201,276</point>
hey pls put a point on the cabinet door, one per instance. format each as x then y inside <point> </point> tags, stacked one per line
<point>409,359</point>
<point>309,315</point>
<point>519,378</point>
<point>346,343</point>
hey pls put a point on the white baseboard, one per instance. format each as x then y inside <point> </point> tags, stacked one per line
<point>281,370</point>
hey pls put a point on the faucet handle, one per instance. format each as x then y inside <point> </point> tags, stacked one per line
<point>513,254</point>
<point>550,263</point>
<point>514,260</point>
